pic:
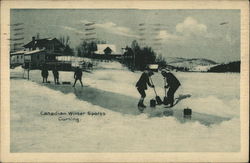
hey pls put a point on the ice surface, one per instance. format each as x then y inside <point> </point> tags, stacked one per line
<point>211,93</point>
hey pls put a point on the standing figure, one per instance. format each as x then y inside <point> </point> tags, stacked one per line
<point>172,83</point>
<point>142,86</point>
<point>78,76</point>
<point>56,75</point>
<point>45,73</point>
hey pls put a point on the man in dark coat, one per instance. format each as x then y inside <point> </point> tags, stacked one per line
<point>172,83</point>
<point>78,76</point>
<point>56,75</point>
<point>142,86</point>
<point>45,73</point>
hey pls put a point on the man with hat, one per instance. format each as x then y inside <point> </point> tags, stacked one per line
<point>142,85</point>
<point>172,83</point>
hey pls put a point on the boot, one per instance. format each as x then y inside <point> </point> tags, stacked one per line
<point>140,104</point>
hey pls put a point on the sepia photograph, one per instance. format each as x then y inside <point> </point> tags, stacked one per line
<point>125,80</point>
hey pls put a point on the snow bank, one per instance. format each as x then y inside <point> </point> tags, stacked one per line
<point>213,106</point>
<point>110,65</point>
<point>18,69</point>
<point>114,132</point>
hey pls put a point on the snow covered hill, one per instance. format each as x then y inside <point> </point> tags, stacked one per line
<point>194,64</point>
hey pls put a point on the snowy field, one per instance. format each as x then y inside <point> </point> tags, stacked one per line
<point>110,121</point>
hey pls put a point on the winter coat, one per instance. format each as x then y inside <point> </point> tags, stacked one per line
<point>143,81</point>
<point>172,81</point>
<point>78,74</point>
<point>44,72</point>
<point>55,73</point>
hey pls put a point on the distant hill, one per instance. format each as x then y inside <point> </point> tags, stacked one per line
<point>229,67</point>
<point>194,64</point>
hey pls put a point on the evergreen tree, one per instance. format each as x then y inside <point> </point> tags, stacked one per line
<point>68,51</point>
<point>138,57</point>
<point>87,49</point>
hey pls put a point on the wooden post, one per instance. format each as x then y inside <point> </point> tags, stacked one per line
<point>29,71</point>
<point>24,72</point>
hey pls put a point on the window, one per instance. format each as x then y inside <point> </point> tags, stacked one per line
<point>37,56</point>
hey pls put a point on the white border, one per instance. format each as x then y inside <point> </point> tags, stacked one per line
<point>242,156</point>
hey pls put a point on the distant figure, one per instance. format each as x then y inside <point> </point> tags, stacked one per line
<point>56,75</point>
<point>90,66</point>
<point>78,76</point>
<point>45,73</point>
<point>172,83</point>
<point>142,86</point>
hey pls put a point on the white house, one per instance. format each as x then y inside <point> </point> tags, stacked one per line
<point>108,49</point>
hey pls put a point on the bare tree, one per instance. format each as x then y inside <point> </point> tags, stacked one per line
<point>65,40</point>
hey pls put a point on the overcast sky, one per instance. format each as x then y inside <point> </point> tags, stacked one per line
<point>211,34</point>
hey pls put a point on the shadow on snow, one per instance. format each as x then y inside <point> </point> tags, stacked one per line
<point>128,105</point>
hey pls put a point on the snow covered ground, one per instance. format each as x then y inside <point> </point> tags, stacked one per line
<point>110,121</point>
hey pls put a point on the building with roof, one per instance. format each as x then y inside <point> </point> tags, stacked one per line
<point>106,52</point>
<point>106,49</point>
<point>52,46</point>
<point>38,52</point>
<point>17,58</point>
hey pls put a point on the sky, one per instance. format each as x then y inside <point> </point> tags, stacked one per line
<point>189,33</point>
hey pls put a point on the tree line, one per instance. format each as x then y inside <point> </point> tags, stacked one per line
<point>137,58</point>
<point>87,48</point>
<point>229,67</point>
<point>65,40</point>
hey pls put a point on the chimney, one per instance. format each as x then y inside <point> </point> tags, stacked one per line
<point>33,38</point>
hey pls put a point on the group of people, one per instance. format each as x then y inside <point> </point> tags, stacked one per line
<point>45,74</point>
<point>171,83</point>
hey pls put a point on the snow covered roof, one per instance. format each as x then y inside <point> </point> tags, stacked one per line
<point>102,47</point>
<point>17,52</point>
<point>42,42</point>
<point>33,51</point>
